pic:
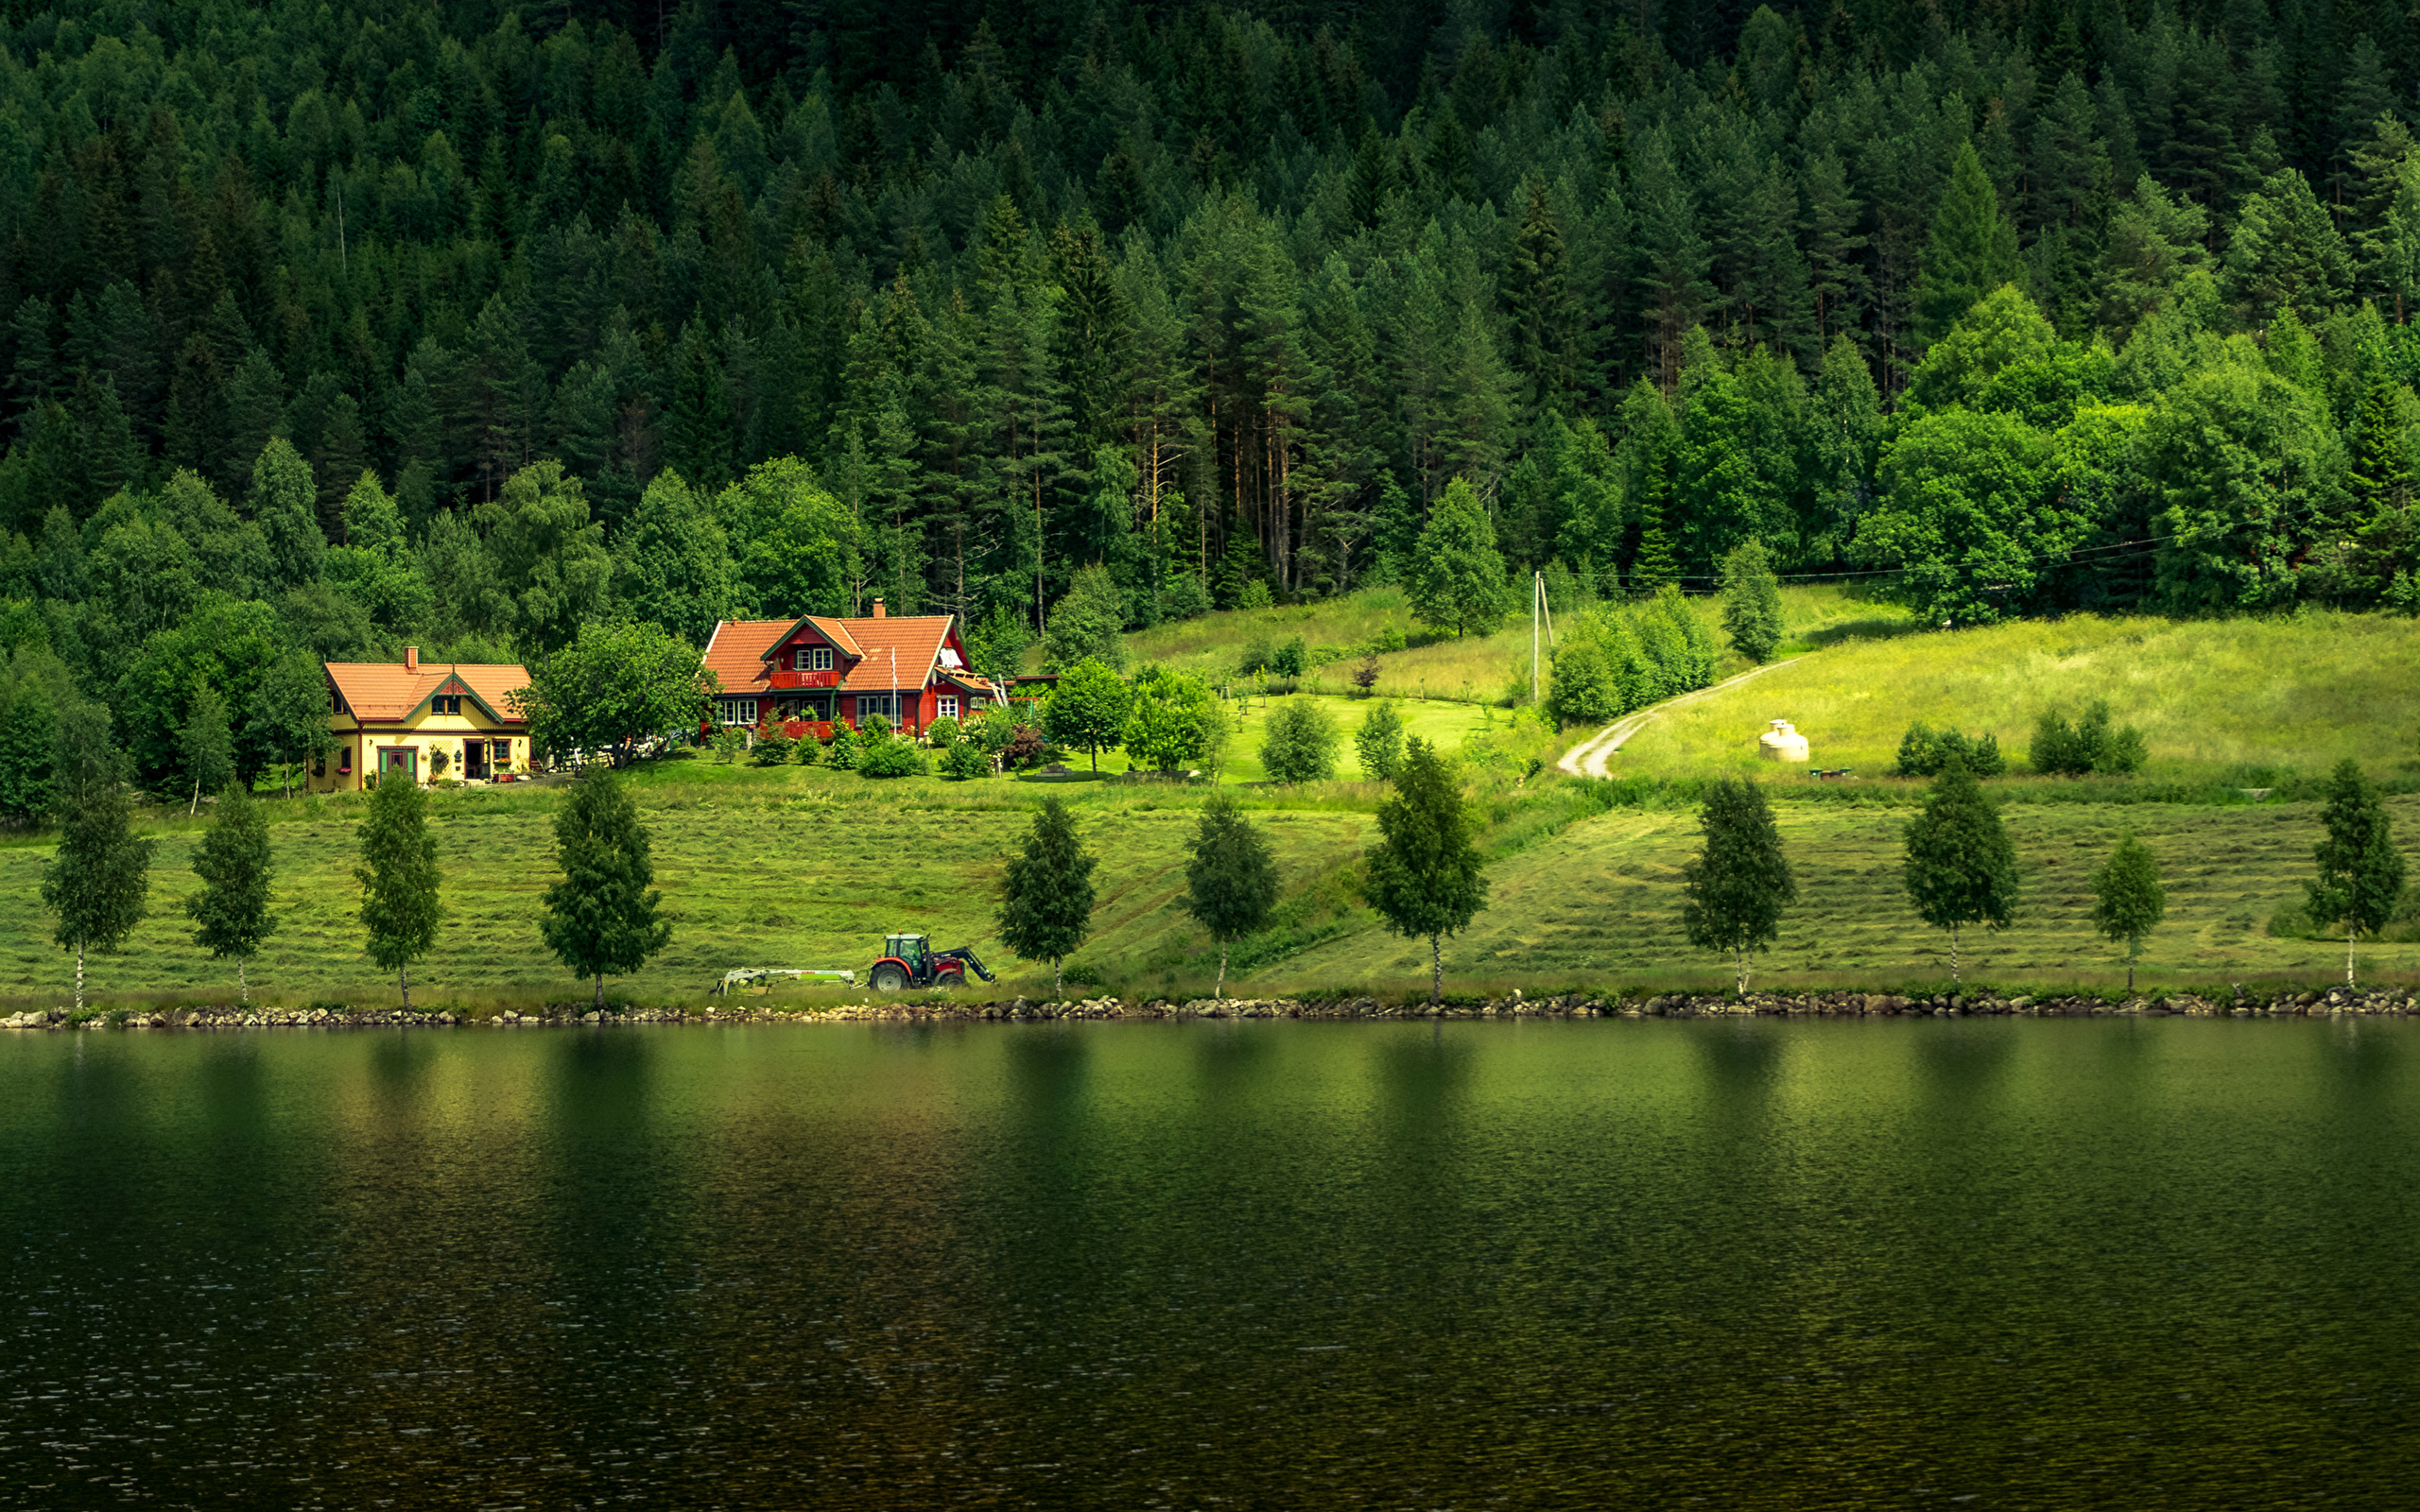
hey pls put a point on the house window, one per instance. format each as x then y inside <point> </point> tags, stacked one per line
<point>885,704</point>
<point>949,706</point>
<point>503,752</point>
<point>445,703</point>
<point>976,705</point>
<point>813,659</point>
<point>740,711</point>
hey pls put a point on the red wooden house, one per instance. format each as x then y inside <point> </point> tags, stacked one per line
<point>806,674</point>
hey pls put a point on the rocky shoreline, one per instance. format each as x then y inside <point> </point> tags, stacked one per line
<point>2338,1002</point>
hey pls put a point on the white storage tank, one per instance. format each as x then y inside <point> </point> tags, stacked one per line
<point>1782,744</point>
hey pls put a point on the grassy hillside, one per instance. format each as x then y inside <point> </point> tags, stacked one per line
<point>2244,701</point>
<point>804,867</point>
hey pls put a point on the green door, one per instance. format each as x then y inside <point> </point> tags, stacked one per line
<point>399,761</point>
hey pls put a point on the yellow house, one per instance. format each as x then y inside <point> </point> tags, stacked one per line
<point>432,723</point>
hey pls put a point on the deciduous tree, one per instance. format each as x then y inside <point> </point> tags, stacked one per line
<point>1424,873</point>
<point>2360,872</point>
<point>400,911</point>
<point>605,915</point>
<point>2128,902</point>
<point>1087,708</point>
<point>617,686</point>
<point>98,881</point>
<point>1231,883</point>
<point>209,747</point>
<point>230,913</point>
<point>1299,746</point>
<point>1047,892</point>
<point>1752,601</point>
<point>1961,867</point>
<point>1734,892</point>
<point>1457,578</point>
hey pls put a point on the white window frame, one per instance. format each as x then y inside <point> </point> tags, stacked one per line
<point>740,711</point>
<point>948,705</point>
<point>811,659</point>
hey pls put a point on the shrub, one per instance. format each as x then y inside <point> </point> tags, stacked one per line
<point>842,751</point>
<point>1301,743</point>
<point>1379,743</point>
<point>728,742</point>
<point>1290,659</point>
<point>775,749</point>
<point>1365,676</point>
<point>1585,690</point>
<point>2061,749</point>
<point>965,759</point>
<point>1026,749</point>
<point>810,750</point>
<point>1924,751</point>
<point>874,726</point>
<point>1257,653</point>
<point>944,731</point>
<point>890,757</point>
<point>1255,595</point>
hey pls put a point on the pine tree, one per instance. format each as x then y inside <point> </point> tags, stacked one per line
<point>1752,613</point>
<point>230,913</point>
<point>2128,902</point>
<point>603,915</point>
<point>398,879</point>
<point>2360,872</point>
<point>1736,889</point>
<point>208,749</point>
<point>1961,867</point>
<point>1424,873</point>
<point>100,879</point>
<point>1047,892</point>
<point>1231,883</point>
<point>1971,253</point>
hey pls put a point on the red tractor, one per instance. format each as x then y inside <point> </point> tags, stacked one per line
<point>910,961</point>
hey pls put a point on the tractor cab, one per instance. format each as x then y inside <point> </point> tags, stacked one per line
<point>914,952</point>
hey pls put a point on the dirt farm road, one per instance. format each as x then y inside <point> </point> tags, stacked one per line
<point>1587,759</point>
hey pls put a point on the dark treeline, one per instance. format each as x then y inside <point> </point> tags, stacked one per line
<point>771,307</point>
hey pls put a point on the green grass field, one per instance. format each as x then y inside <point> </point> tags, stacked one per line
<point>804,867</point>
<point>807,866</point>
<point>1448,725</point>
<point>2249,700</point>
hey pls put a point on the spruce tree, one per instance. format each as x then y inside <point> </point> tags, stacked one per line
<point>99,880</point>
<point>208,748</point>
<point>1047,892</point>
<point>1961,867</point>
<point>399,880</point>
<point>2128,902</point>
<point>1424,873</point>
<point>230,913</point>
<point>1736,889</point>
<point>1231,883</point>
<point>1971,253</point>
<point>603,915</point>
<point>2360,872</point>
<point>1752,613</point>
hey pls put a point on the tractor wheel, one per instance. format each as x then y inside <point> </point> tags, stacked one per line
<point>888,979</point>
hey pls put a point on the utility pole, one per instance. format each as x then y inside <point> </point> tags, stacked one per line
<point>1537,598</point>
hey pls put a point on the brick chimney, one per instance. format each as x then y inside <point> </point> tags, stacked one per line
<point>412,659</point>
<point>877,609</point>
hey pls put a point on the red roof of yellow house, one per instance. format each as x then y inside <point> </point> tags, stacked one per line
<point>387,691</point>
<point>869,647</point>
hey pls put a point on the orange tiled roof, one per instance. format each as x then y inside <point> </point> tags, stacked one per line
<point>738,652</point>
<point>385,692</point>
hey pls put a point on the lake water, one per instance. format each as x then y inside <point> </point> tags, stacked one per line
<point>1980,1263</point>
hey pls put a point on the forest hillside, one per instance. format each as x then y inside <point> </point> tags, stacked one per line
<point>328,327</point>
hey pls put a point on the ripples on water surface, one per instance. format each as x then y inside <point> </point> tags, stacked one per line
<point>1984,1264</point>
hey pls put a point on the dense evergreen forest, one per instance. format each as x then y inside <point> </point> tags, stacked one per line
<point>330,326</point>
